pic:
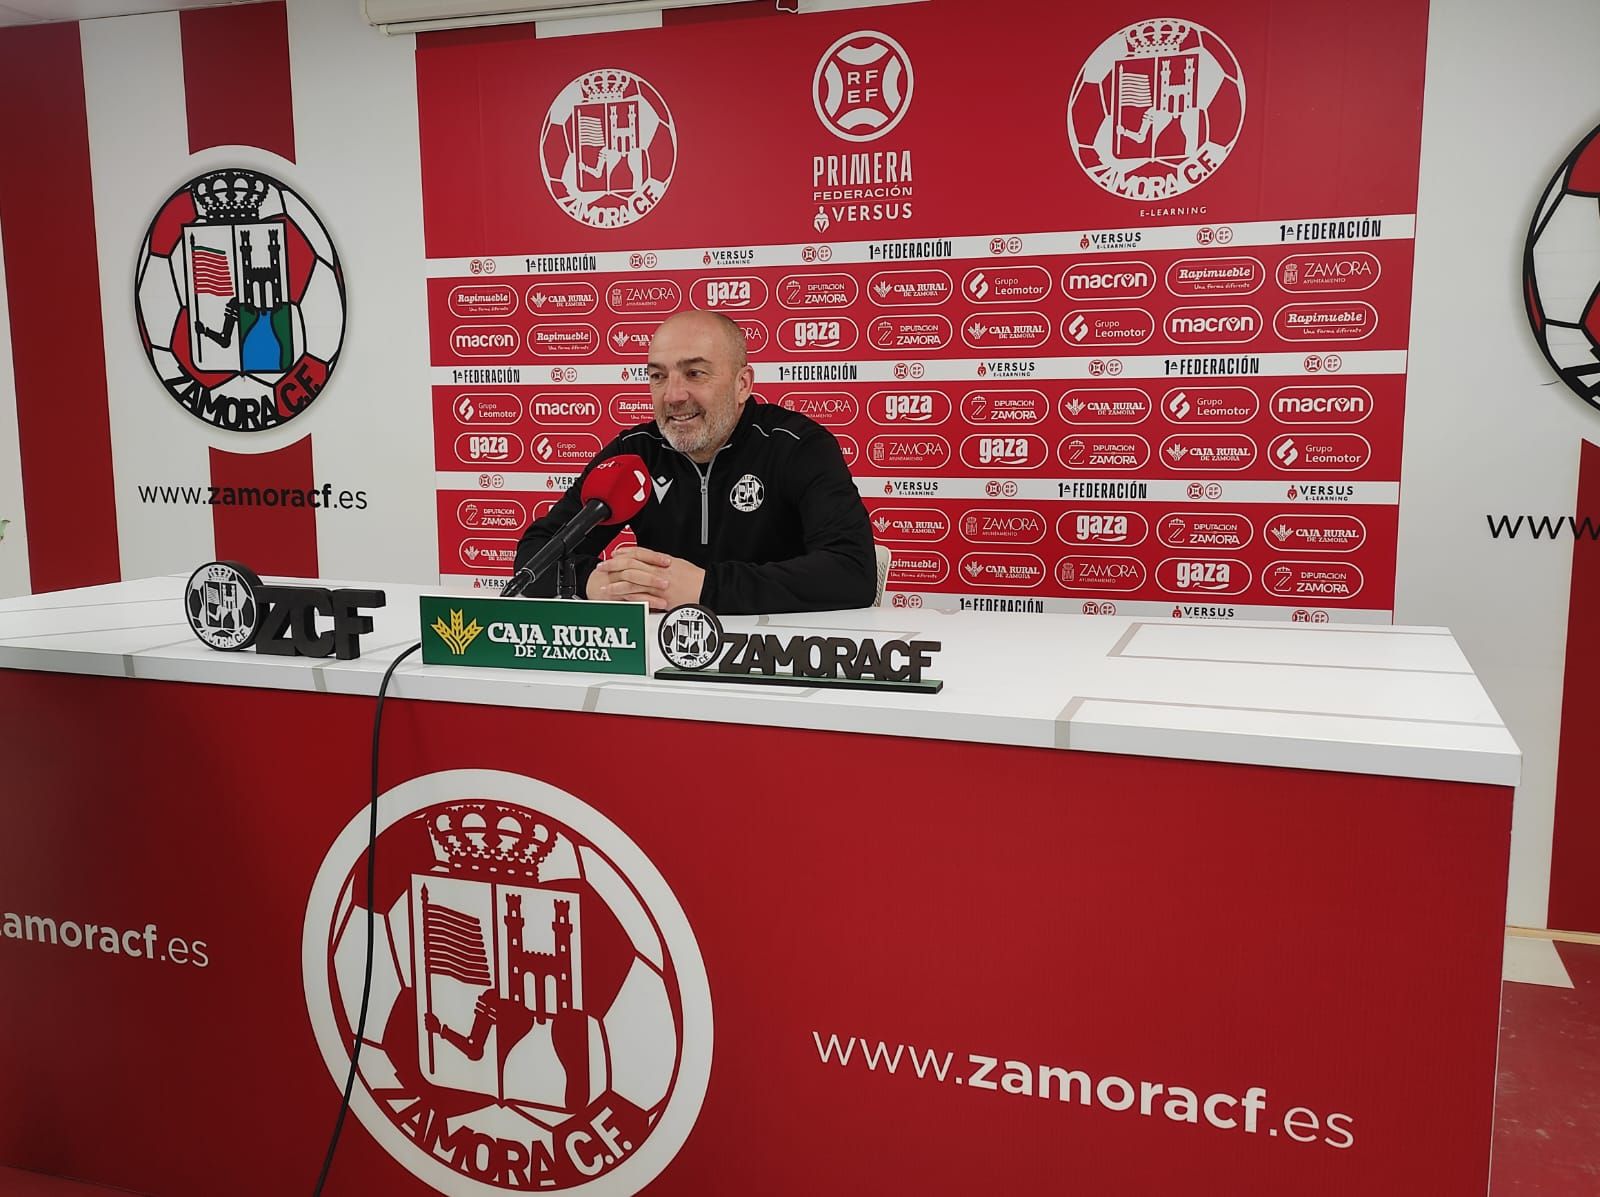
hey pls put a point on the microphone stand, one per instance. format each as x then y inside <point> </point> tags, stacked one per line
<point>566,577</point>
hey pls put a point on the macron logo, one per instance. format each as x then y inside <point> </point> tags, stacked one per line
<point>662,486</point>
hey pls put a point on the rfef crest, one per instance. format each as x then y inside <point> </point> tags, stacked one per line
<point>240,300</point>
<point>608,148</point>
<point>1156,109</point>
<point>543,1019</point>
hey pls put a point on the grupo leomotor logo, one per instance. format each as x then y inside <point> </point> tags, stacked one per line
<point>540,1017</point>
<point>608,148</point>
<point>1561,270</point>
<point>862,85</point>
<point>1156,109</point>
<point>240,300</point>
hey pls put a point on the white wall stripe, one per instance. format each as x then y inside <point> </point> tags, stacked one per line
<point>15,577</point>
<point>139,154</point>
<point>373,429</point>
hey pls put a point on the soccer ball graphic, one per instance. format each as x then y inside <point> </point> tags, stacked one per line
<point>1561,270</point>
<point>240,300</point>
<point>539,1017</point>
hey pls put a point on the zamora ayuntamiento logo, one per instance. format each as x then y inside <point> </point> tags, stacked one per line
<point>1543,527</point>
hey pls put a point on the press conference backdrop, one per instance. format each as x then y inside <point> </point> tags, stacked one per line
<point>1109,316</point>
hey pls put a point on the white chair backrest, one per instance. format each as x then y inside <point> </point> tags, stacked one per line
<point>884,557</point>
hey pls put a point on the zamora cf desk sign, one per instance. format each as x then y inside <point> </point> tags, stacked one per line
<point>229,608</point>
<point>699,649</point>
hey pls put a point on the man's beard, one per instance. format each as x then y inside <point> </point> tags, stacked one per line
<point>705,434</point>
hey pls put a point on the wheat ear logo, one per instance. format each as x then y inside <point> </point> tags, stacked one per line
<point>456,636</point>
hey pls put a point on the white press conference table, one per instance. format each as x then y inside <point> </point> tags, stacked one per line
<point>1259,862</point>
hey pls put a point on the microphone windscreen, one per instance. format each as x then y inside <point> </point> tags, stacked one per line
<point>622,483</point>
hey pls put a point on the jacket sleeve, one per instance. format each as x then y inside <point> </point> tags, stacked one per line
<point>587,553</point>
<point>837,568</point>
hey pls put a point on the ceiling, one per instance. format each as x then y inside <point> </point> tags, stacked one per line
<point>31,12</point>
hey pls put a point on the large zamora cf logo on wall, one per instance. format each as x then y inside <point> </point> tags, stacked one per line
<point>540,1018</point>
<point>608,148</point>
<point>1561,270</point>
<point>1156,109</point>
<point>240,300</point>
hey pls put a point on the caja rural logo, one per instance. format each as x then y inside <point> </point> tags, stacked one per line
<point>608,148</point>
<point>1561,270</point>
<point>240,300</point>
<point>1156,109</point>
<point>541,1018</point>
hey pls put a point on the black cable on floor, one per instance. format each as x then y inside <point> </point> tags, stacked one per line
<point>372,872</point>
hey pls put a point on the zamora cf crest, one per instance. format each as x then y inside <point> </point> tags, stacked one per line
<point>540,1018</point>
<point>240,300</point>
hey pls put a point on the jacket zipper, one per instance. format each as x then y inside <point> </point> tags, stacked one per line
<point>705,494</point>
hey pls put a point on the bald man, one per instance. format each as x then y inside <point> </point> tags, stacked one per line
<point>754,510</point>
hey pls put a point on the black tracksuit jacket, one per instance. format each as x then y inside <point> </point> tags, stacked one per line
<point>774,519</point>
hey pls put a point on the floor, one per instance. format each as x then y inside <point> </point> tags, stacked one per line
<point>1547,1111</point>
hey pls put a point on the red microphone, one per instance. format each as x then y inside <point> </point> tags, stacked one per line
<point>621,483</point>
<point>614,491</point>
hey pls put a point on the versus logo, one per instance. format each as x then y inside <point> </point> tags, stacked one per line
<point>608,148</point>
<point>1156,109</point>
<point>239,298</point>
<point>539,962</point>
